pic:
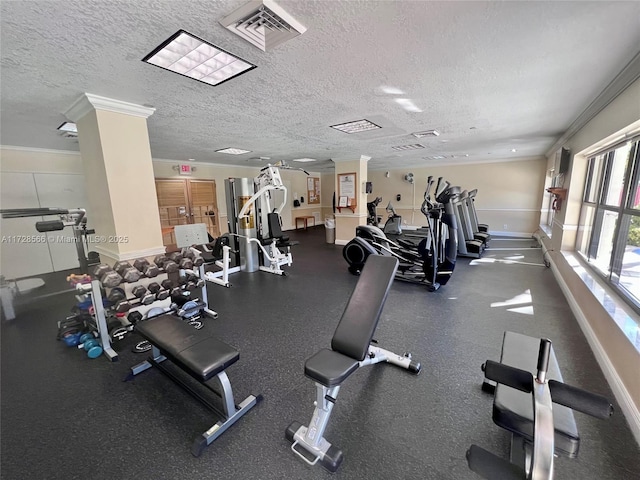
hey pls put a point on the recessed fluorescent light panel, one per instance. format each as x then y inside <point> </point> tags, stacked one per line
<point>426,133</point>
<point>435,157</point>
<point>233,151</point>
<point>68,127</point>
<point>415,146</point>
<point>192,57</point>
<point>304,160</point>
<point>356,127</point>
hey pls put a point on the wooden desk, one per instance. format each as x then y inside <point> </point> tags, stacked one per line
<point>305,219</point>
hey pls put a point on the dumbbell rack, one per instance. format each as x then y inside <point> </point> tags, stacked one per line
<point>94,291</point>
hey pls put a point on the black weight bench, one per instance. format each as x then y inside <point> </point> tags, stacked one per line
<point>350,349</point>
<point>204,358</point>
<point>513,410</point>
<point>276,234</point>
<point>527,367</point>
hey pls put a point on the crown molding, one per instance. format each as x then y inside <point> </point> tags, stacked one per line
<point>39,150</point>
<point>629,74</point>
<point>88,102</point>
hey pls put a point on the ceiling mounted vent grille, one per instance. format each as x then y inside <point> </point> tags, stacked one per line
<point>426,133</point>
<point>414,146</point>
<point>263,23</point>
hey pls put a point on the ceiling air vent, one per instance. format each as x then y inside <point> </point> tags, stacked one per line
<point>263,23</point>
<point>426,133</point>
<point>414,146</point>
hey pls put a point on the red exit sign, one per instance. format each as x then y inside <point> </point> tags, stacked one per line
<point>185,170</point>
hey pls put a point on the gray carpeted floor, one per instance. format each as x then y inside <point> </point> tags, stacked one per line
<point>65,416</point>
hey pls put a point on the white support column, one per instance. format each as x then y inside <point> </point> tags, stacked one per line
<point>120,184</point>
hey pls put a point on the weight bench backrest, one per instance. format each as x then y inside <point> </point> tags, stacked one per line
<point>221,241</point>
<point>273,222</point>
<point>360,318</point>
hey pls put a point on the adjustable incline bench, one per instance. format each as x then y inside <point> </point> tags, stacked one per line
<point>204,358</point>
<point>350,349</point>
<point>528,383</point>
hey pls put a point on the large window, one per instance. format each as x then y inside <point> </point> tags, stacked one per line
<point>609,228</point>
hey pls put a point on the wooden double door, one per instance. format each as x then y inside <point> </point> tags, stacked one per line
<point>186,201</point>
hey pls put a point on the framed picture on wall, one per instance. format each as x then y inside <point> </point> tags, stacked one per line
<point>313,190</point>
<point>347,187</point>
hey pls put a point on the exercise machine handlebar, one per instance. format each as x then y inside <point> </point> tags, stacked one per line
<point>32,212</point>
<point>543,359</point>
<point>510,376</point>
<point>583,401</point>
<point>50,226</point>
<point>575,398</point>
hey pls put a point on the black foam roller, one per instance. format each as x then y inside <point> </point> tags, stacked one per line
<point>510,376</point>
<point>580,400</point>
<point>50,226</point>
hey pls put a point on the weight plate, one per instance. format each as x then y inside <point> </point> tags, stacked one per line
<point>191,309</point>
<point>118,333</point>
<point>154,312</point>
<point>141,347</point>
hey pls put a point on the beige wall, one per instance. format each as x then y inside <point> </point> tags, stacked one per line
<point>34,160</point>
<point>328,188</point>
<point>509,193</point>
<point>295,178</point>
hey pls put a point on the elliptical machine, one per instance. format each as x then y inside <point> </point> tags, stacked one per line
<point>372,216</point>
<point>431,261</point>
<point>393,225</point>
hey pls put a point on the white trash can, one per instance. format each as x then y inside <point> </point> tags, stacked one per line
<point>330,229</point>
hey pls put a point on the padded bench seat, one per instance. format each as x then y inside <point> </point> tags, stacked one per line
<point>513,409</point>
<point>195,351</point>
<point>204,358</point>
<point>329,367</point>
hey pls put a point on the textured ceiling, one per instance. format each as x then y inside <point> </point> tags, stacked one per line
<point>490,76</point>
